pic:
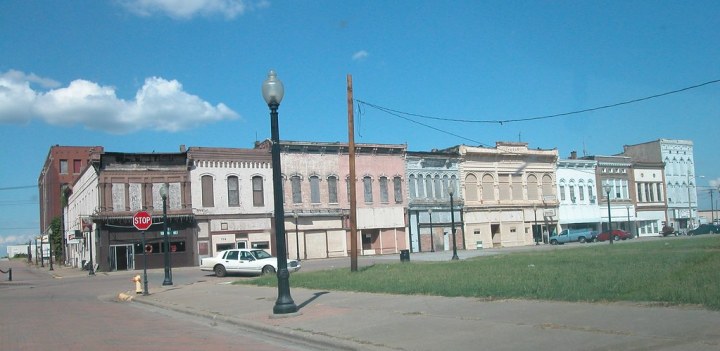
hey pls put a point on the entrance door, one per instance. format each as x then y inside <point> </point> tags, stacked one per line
<point>122,258</point>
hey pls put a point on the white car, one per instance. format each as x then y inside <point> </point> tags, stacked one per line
<point>253,261</point>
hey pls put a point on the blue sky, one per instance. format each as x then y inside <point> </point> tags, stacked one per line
<point>150,75</point>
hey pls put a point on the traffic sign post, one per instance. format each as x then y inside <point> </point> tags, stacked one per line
<point>142,221</point>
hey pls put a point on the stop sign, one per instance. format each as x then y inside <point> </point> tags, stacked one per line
<point>142,220</point>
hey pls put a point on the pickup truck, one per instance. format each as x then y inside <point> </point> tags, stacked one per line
<point>570,235</point>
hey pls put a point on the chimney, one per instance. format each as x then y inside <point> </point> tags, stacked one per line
<point>573,155</point>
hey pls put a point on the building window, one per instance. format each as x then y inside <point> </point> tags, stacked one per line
<point>384,196</point>
<point>581,191</point>
<point>590,194</point>
<point>505,187</point>
<point>296,191</point>
<point>438,188</point>
<point>532,187</point>
<point>547,185</point>
<point>471,188</point>
<point>411,180</point>
<point>397,186</point>
<point>332,189</point>
<point>63,166</point>
<point>420,187</point>
<point>77,166</point>
<point>233,191</point>
<point>516,188</point>
<point>572,193</point>
<point>488,188</point>
<point>428,187</point>
<point>367,187</point>
<point>258,193</point>
<point>562,192</point>
<point>208,199</point>
<point>315,189</point>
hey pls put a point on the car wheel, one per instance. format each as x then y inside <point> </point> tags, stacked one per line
<point>582,239</point>
<point>553,242</point>
<point>616,238</point>
<point>268,270</point>
<point>220,271</point>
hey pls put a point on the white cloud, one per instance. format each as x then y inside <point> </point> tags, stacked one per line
<point>360,55</point>
<point>160,105</point>
<point>186,9</point>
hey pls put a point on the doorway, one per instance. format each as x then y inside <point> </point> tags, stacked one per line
<point>122,258</point>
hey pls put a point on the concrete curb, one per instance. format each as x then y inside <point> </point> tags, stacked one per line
<point>311,340</point>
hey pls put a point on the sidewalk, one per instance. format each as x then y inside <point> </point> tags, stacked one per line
<point>334,320</point>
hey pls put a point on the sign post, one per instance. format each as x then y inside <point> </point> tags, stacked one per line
<point>142,221</point>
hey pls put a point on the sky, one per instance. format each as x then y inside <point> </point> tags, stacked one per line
<point>151,75</point>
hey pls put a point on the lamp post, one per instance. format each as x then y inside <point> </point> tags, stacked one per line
<point>273,91</point>
<point>297,238</point>
<point>168,272</point>
<point>607,187</point>
<point>432,241</point>
<point>451,192</point>
<point>535,228</point>
<point>50,244</point>
<point>42,254</point>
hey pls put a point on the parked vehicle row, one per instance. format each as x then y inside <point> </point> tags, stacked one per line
<point>705,229</point>
<point>587,235</point>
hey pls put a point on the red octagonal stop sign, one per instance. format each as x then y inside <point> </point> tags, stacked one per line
<point>142,220</point>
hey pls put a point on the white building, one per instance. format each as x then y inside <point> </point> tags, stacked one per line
<point>79,228</point>
<point>231,198</point>
<point>577,194</point>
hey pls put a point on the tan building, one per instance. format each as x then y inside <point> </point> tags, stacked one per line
<point>507,189</point>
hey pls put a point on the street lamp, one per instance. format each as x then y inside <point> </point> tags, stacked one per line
<point>432,242</point>
<point>535,228</point>
<point>451,192</point>
<point>272,92</point>
<point>297,238</point>
<point>608,187</point>
<point>168,272</point>
<point>50,244</point>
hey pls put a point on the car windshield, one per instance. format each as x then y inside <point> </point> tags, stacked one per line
<point>260,254</point>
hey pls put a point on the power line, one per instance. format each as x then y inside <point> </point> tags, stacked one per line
<point>396,112</point>
<point>19,187</point>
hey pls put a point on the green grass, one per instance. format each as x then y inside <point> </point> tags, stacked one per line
<point>671,271</point>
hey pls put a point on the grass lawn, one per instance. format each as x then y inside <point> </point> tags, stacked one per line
<point>672,271</point>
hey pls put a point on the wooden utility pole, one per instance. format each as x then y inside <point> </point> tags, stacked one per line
<point>353,195</point>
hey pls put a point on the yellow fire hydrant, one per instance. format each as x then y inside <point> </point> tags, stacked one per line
<point>138,286</point>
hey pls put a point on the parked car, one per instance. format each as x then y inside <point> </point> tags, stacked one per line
<point>705,229</point>
<point>249,261</point>
<point>569,235</point>
<point>617,234</point>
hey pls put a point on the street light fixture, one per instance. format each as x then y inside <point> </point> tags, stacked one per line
<point>451,192</point>
<point>273,91</point>
<point>42,254</point>
<point>297,238</point>
<point>50,244</point>
<point>168,271</point>
<point>608,187</point>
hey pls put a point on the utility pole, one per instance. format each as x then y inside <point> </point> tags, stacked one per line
<point>353,195</point>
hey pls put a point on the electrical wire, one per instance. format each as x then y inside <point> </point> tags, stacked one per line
<point>501,122</point>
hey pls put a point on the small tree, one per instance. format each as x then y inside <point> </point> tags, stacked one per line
<point>56,238</point>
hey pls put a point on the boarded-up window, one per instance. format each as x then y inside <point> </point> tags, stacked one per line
<point>315,189</point>
<point>420,187</point>
<point>397,185</point>
<point>384,196</point>
<point>532,187</point>
<point>438,188</point>
<point>332,189</point>
<point>547,186</point>
<point>411,181</point>
<point>516,187</point>
<point>258,192</point>
<point>488,188</point>
<point>208,199</point>
<point>233,191</point>
<point>429,187</point>
<point>471,188</point>
<point>296,190</point>
<point>504,186</point>
<point>367,187</point>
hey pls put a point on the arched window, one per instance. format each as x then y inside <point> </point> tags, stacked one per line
<point>504,186</point>
<point>258,192</point>
<point>233,189</point>
<point>411,181</point>
<point>429,186</point>
<point>208,198</point>
<point>470,188</point>
<point>488,188</point>
<point>420,187</point>
<point>332,189</point>
<point>296,189</point>
<point>397,187</point>
<point>547,185</point>
<point>314,189</point>
<point>367,189</point>
<point>384,196</point>
<point>532,187</point>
